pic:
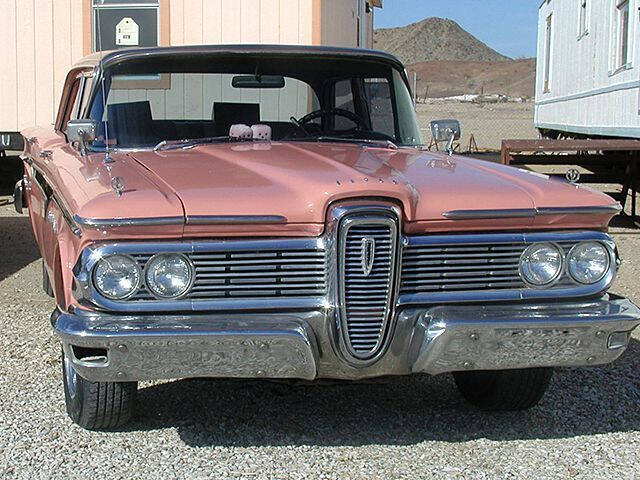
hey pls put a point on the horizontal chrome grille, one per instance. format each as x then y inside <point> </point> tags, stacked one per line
<point>429,268</point>
<point>251,274</point>
<point>367,283</point>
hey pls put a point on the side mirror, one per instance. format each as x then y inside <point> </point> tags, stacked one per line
<point>82,132</point>
<point>446,131</point>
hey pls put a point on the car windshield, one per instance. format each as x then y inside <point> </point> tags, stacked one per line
<point>156,104</point>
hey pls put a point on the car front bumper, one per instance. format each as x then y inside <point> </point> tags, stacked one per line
<point>303,345</point>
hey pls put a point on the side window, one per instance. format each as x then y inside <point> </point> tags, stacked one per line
<point>343,98</point>
<point>71,109</point>
<point>86,91</point>
<point>379,102</point>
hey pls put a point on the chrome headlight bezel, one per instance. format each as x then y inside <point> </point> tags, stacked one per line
<point>190,268</point>
<point>558,274</point>
<point>136,269</point>
<point>606,270</point>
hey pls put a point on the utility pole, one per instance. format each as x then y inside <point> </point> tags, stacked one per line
<point>415,90</point>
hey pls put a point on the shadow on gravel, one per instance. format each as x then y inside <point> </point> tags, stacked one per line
<point>392,411</point>
<point>17,246</point>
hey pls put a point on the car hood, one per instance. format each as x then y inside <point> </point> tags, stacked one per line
<point>297,181</point>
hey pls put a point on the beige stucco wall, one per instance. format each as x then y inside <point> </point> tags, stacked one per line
<point>41,39</point>
<point>241,21</point>
<point>35,57</point>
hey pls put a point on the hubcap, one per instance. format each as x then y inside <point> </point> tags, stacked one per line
<point>70,377</point>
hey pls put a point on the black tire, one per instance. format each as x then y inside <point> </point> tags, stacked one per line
<point>504,390</point>
<point>97,405</point>
<point>46,283</point>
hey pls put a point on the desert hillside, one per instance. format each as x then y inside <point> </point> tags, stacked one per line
<point>450,61</point>
<point>512,78</point>
<point>433,39</point>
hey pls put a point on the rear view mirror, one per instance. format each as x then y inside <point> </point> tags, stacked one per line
<point>441,130</point>
<point>82,132</point>
<point>446,131</point>
<point>258,81</point>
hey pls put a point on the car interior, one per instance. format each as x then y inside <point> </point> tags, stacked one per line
<point>344,99</point>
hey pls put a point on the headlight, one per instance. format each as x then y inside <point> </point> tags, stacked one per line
<point>541,264</point>
<point>169,275</point>
<point>588,262</point>
<point>117,276</point>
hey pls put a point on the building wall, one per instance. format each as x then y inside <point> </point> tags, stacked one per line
<point>587,93</point>
<point>339,23</point>
<point>241,21</point>
<point>35,57</point>
<point>41,39</point>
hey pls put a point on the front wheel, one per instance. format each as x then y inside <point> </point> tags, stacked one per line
<point>97,405</point>
<point>504,389</point>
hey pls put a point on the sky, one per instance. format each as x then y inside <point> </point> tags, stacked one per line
<point>508,26</point>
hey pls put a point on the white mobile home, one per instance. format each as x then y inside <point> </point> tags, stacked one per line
<point>588,74</point>
<point>41,39</point>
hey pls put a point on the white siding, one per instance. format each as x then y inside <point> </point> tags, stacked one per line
<point>587,93</point>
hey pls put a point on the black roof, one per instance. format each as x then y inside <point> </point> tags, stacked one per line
<point>114,57</point>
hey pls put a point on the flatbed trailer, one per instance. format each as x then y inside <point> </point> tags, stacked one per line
<point>609,161</point>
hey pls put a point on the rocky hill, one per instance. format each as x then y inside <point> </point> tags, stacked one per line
<point>433,39</point>
<point>450,61</point>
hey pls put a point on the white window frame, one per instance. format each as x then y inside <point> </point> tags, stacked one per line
<point>548,54</point>
<point>584,18</point>
<point>618,63</point>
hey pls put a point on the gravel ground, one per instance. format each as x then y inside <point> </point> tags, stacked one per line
<point>587,426</point>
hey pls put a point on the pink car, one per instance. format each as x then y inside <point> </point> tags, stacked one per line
<point>271,212</point>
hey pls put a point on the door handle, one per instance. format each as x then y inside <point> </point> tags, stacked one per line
<point>45,153</point>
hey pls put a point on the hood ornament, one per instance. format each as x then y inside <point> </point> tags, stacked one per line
<point>573,175</point>
<point>367,255</point>
<point>117,185</point>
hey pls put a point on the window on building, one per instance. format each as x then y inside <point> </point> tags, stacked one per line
<point>547,53</point>
<point>125,24</point>
<point>622,30</point>
<point>583,27</point>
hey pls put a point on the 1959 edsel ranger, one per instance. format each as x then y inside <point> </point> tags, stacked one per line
<point>270,211</point>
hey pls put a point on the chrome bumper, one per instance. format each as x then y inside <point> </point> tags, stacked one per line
<point>304,345</point>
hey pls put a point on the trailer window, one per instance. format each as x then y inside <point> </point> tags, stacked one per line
<point>623,17</point>
<point>547,54</point>
<point>583,26</point>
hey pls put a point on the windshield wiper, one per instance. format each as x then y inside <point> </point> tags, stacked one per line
<point>187,143</point>
<point>329,138</point>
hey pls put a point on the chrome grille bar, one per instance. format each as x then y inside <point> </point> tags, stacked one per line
<point>252,274</point>
<point>366,284</point>
<point>445,268</point>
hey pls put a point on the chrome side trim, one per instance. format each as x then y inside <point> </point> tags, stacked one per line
<point>127,222</point>
<point>600,209</point>
<point>68,218</point>
<point>234,219</point>
<point>530,212</point>
<point>190,220</point>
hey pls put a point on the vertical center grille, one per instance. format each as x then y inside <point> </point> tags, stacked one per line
<point>367,259</point>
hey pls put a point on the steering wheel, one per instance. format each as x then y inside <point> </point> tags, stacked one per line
<point>357,119</point>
